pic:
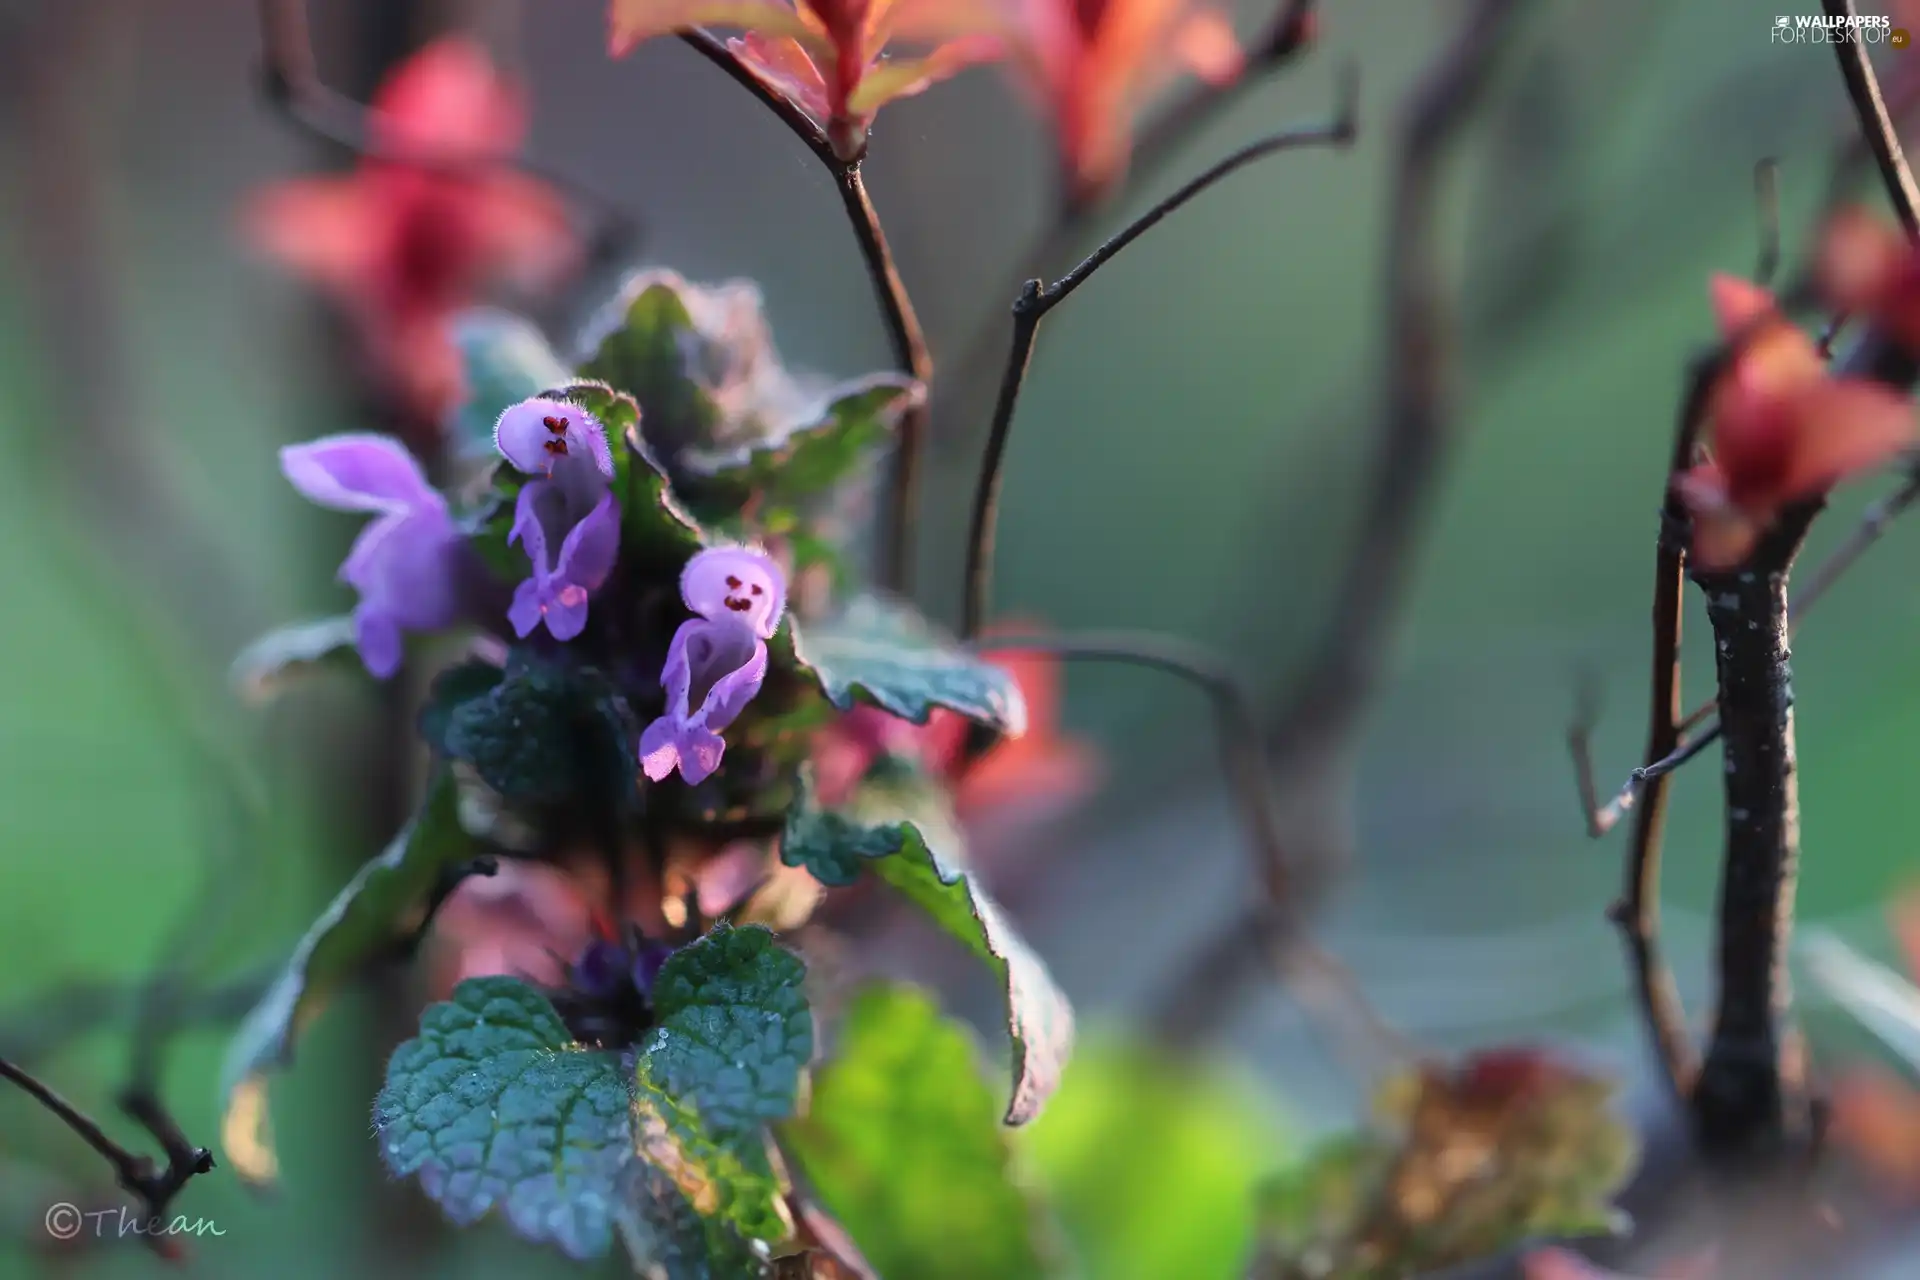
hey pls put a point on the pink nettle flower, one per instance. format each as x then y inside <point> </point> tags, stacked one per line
<point>403,246</point>
<point>407,563</point>
<point>828,57</point>
<point>716,661</point>
<point>1781,429</point>
<point>1094,64</point>
<point>566,518</point>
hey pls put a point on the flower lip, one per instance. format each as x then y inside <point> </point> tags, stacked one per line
<point>738,582</point>
<point>540,435</point>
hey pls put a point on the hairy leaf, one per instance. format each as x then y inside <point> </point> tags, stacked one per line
<point>451,690</point>
<point>370,914</point>
<point>1188,1211</point>
<point>644,353</point>
<point>901,826</point>
<point>902,1145</point>
<point>548,733</point>
<point>493,1105</point>
<point>882,652</point>
<point>264,669</point>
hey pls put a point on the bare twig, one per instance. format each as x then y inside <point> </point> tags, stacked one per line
<point>1413,430</point>
<point>1876,126</point>
<point>1037,298</point>
<point>1766,201</point>
<point>141,1176</point>
<point>1348,1011</point>
<point>909,342</point>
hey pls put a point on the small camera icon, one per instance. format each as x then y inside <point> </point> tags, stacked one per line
<point>1782,20</point>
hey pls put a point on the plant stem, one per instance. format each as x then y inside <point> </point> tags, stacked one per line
<point>1037,298</point>
<point>1876,125</point>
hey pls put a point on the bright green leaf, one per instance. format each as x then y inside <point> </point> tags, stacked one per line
<point>1188,1209</point>
<point>493,1105</point>
<point>882,652</point>
<point>901,826</point>
<point>902,1145</point>
<point>370,914</point>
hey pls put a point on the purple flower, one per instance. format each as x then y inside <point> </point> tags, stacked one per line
<point>566,518</point>
<point>716,661</point>
<point>406,563</point>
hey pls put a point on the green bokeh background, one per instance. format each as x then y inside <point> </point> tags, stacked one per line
<point>1193,438</point>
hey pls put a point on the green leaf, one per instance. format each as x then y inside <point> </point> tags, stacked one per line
<point>902,1145</point>
<point>371,913</point>
<point>725,1060</point>
<point>452,689</point>
<point>902,827</point>
<point>783,479</point>
<point>881,651</point>
<point>266,668</point>
<point>668,1238</point>
<point>506,359</point>
<point>493,1105</point>
<point>548,733</point>
<point>1187,1211</point>
<point>644,354</point>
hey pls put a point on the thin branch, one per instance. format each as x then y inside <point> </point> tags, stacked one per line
<point>904,333</point>
<point>1414,425</point>
<point>1876,125</point>
<point>1292,953</point>
<point>293,86</point>
<point>1037,298</point>
<point>1766,201</point>
<point>138,1175</point>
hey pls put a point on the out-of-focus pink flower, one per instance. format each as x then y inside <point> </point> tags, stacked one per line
<point>1564,1264</point>
<point>528,920</point>
<point>1094,64</point>
<point>1781,429</point>
<point>1876,1114</point>
<point>403,246</point>
<point>828,57</point>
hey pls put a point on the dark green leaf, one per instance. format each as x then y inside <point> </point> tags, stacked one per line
<point>264,669</point>
<point>882,652</point>
<point>903,828</point>
<point>452,689</point>
<point>494,1105</point>
<point>902,1145</point>
<point>506,359</point>
<point>370,914</point>
<point>668,1239</point>
<point>1189,1210</point>
<point>645,354</point>
<point>725,1060</point>
<point>549,733</point>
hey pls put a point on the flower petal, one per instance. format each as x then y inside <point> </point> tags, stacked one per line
<point>448,100</point>
<point>1860,259</point>
<point>903,77</point>
<point>522,230</point>
<point>1206,45</point>
<point>331,230</point>
<point>1844,427</point>
<point>1723,534</point>
<point>377,637</point>
<point>735,583</point>
<point>536,434</point>
<point>527,529</point>
<point>359,472</point>
<point>783,65</point>
<point>587,555</point>
<point>1738,303</point>
<point>408,568</point>
<point>632,21</point>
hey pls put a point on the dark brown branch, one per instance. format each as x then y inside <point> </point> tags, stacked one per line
<point>904,334</point>
<point>141,1176</point>
<point>1413,430</point>
<point>1876,125</point>
<point>293,85</point>
<point>1743,1111</point>
<point>1037,298</point>
<point>1766,202</point>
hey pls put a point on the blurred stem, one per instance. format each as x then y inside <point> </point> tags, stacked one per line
<point>1876,126</point>
<point>1037,298</point>
<point>1414,430</point>
<point>904,334</point>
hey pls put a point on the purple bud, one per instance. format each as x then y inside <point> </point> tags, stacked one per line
<point>600,971</point>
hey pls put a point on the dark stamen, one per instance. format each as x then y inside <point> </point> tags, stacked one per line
<point>556,425</point>
<point>556,446</point>
<point>738,605</point>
